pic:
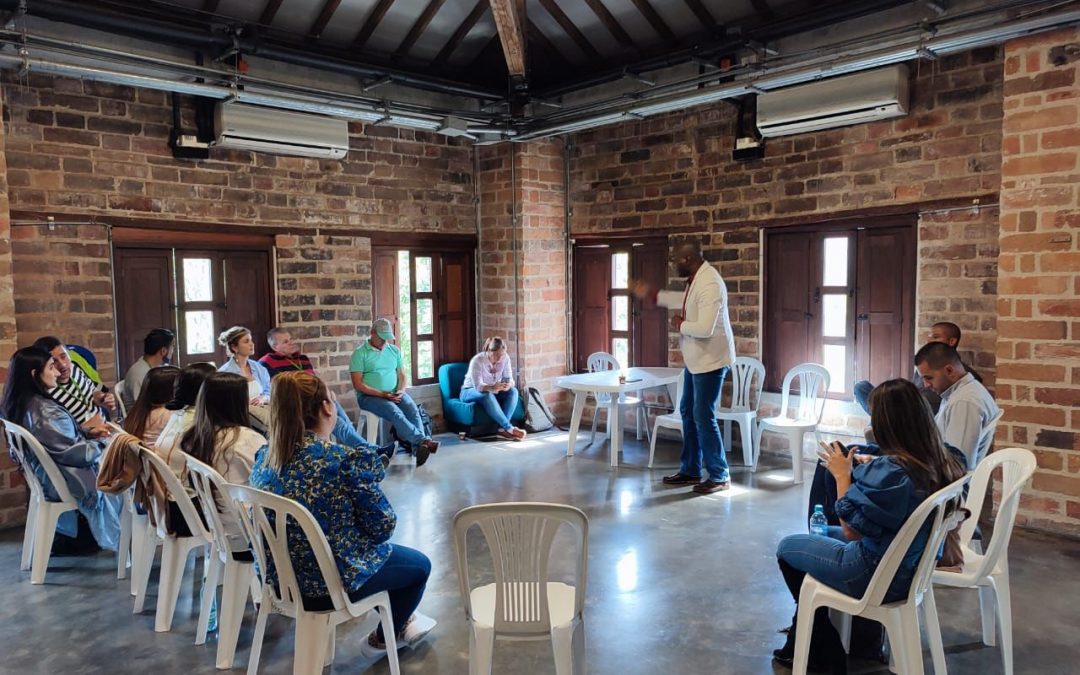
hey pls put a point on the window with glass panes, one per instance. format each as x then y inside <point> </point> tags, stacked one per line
<point>428,295</point>
<point>841,296</point>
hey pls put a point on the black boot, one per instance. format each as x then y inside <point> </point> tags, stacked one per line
<point>786,654</point>
<point>826,648</point>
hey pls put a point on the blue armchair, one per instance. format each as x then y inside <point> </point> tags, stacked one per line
<point>467,417</point>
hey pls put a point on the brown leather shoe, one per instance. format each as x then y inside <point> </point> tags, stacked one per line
<point>711,486</point>
<point>424,449</point>
<point>680,478</point>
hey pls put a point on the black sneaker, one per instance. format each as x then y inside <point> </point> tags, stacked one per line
<point>680,479</point>
<point>386,451</point>
<point>710,486</point>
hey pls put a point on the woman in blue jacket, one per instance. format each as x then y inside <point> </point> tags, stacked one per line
<point>876,495</point>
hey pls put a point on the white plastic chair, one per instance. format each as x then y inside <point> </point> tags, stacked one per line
<point>371,424</point>
<point>118,393</point>
<point>601,361</point>
<point>809,406</point>
<point>989,572</point>
<point>174,549</point>
<point>899,618</point>
<point>747,379</point>
<point>41,514</point>
<point>218,508</point>
<point>522,604</point>
<point>982,446</point>
<point>671,420</point>
<point>267,520</point>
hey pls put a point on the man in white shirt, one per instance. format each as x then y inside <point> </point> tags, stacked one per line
<point>966,406</point>
<point>158,346</point>
<point>708,350</point>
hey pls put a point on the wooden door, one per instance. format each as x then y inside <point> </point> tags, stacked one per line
<point>246,281</point>
<point>885,303</point>
<point>144,299</point>
<point>788,330</point>
<point>385,287</point>
<point>592,313</point>
<point>455,308</point>
<point>650,321</point>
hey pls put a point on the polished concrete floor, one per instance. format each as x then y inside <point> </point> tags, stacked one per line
<point>677,583</point>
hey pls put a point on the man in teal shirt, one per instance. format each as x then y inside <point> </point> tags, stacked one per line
<point>378,375</point>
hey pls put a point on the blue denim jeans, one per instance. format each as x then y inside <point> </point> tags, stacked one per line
<point>345,431</point>
<point>861,391</point>
<point>403,576</point>
<point>499,407</point>
<point>832,560</point>
<point>404,416</point>
<point>702,445</point>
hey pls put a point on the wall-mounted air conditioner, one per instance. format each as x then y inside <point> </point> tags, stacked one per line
<point>836,102</point>
<point>280,132</point>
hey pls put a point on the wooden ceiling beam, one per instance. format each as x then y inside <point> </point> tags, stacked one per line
<point>702,13</point>
<point>654,20</point>
<point>611,23</point>
<point>571,30</point>
<point>509,23</point>
<point>270,11</point>
<point>323,21</point>
<point>372,22</point>
<point>467,25</point>
<point>418,27</point>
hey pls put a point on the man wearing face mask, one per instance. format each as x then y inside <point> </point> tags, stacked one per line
<point>708,350</point>
<point>158,346</point>
<point>74,390</point>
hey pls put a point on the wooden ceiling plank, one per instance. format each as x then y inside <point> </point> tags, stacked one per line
<point>270,11</point>
<point>611,23</point>
<point>654,20</point>
<point>419,27</point>
<point>571,30</point>
<point>537,36</point>
<point>323,21</point>
<point>508,21</point>
<point>372,22</point>
<point>702,13</point>
<point>210,6</point>
<point>467,25</point>
<point>762,8</point>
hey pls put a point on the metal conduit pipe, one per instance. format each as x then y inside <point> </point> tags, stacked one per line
<point>937,43</point>
<point>115,22</point>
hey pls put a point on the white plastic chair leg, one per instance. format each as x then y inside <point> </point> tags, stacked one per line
<point>795,441</point>
<point>894,633</point>
<point>757,446</point>
<point>1004,616</point>
<point>28,535</point>
<point>386,618</point>
<point>988,611</point>
<point>44,532</point>
<point>331,646</point>
<point>123,551</point>
<point>746,430</point>
<point>143,562</point>
<point>595,418</point>
<point>804,624</point>
<point>568,644</point>
<point>933,631</point>
<point>171,574</point>
<point>234,595</point>
<point>842,622</point>
<point>311,643</point>
<point>912,643</point>
<point>257,638</point>
<point>481,649</point>
<point>209,594</point>
<point>652,442</point>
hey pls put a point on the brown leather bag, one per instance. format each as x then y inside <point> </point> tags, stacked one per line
<point>952,555</point>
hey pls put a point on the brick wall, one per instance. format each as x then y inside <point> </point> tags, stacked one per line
<point>1039,275</point>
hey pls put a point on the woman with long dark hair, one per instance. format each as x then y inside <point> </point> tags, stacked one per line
<point>148,415</point>
<point>340,486</point>
<point>876,495</point>
<point>182,406</point>
<point>220,435</point>
<point>31,373</point>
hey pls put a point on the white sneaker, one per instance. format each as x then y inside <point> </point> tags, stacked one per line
<point>418,626</point>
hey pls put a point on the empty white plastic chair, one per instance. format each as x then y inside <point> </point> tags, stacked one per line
<point>41,514</point>
<point>671,420</point>
<point>747,379</point>
<point>174,549</point>
<point>900,618</point>
<point>809,406</point>
<point>522,604</point>
<point>599,362</point>
<point>218,508</point>
<point>267,519</point>
<point>989,572</point>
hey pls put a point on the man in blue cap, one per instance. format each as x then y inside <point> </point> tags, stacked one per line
<point>378,375</point>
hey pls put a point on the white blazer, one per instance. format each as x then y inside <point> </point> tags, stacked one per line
<point>705,337</point>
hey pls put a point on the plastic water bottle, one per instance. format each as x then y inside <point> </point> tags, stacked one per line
<point>818,523</point>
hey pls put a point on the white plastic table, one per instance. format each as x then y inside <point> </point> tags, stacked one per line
<point>637,379</point>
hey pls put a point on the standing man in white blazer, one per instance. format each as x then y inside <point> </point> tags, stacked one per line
<point>708,350</point>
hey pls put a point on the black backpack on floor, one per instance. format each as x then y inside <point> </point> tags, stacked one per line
<point>538,416</point>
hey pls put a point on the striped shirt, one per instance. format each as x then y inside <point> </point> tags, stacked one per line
<point>77,395</point>
<point>279,363</point>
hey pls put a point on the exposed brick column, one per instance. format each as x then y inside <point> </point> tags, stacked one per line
<point>1039,275</point>
<point>12,490</point>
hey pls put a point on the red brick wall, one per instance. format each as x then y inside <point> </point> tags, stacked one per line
<point>1039,275</point>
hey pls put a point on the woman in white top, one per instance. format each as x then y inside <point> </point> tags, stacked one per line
<point>182,409</point>
<point>489,383</point>
<point>237,340</point>
<point>148,415</point>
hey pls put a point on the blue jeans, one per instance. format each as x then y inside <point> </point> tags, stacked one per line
<point>403,576</point>
<point>404,416</point>
<point>701,433</point>
<point>499,407</point>
<point>345,431</point>
<point>832,560</point>
<point>861,392</point>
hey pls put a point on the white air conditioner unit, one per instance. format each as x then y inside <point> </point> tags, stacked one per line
<point>868,96</point>
<point>280,132</point>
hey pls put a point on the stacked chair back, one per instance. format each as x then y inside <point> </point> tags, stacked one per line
<point>41,514</point>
